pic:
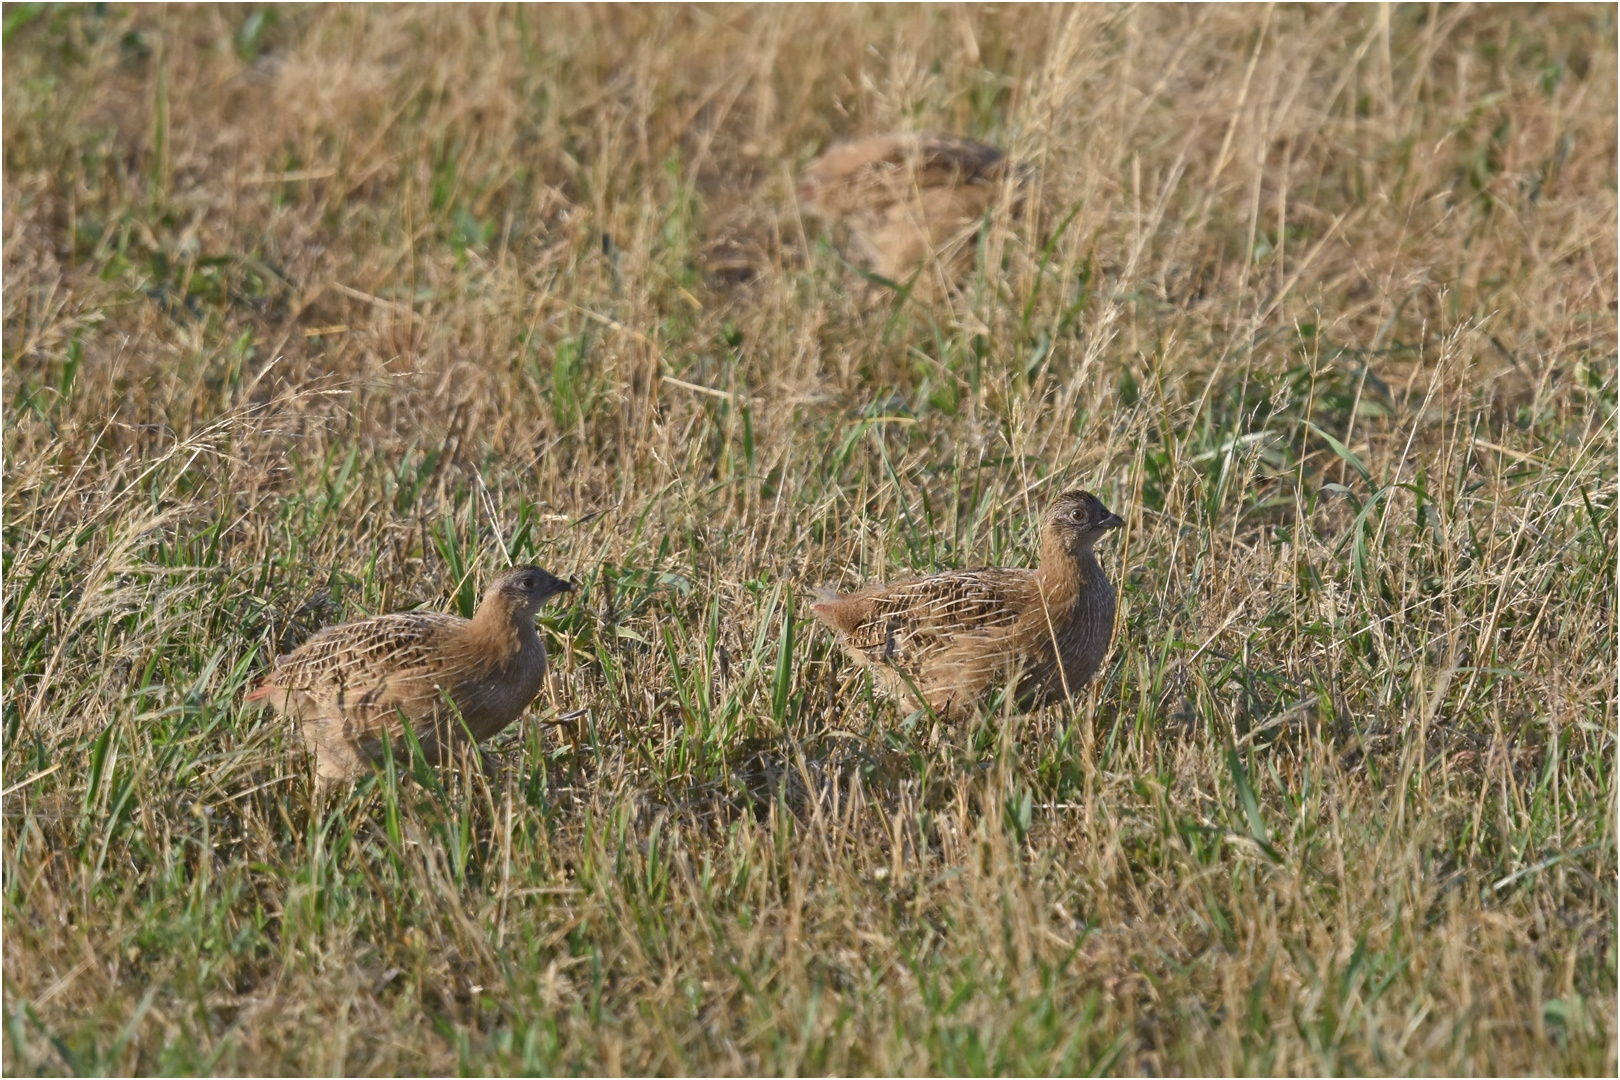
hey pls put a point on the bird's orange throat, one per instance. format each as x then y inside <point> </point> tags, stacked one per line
<point>499,632</point>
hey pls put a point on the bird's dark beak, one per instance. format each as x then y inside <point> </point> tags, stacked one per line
<point>1112,521</point>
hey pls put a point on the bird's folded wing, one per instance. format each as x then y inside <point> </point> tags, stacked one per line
<point>364,658</point>
<point>866,177</point>
<point>911,620</point>
<point>944,159</point>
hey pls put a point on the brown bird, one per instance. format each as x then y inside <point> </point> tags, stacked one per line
<point>949,636</point>
<point>905,198</point>
<point>348,684</point>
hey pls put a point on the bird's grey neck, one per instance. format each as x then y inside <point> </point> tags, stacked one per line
<point>1091,571</point>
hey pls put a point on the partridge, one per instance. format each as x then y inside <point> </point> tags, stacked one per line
<point>943,640</point>
<point>445,676</point>
<point>905,198</point>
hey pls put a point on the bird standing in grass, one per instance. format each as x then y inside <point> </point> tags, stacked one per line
<point>445,676</point>
<point>905,198</point>
<point>945,639</point>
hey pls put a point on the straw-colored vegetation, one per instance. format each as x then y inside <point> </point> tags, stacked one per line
<point>314,313</point>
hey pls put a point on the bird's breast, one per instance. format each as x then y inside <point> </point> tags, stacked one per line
<point>501,687</point>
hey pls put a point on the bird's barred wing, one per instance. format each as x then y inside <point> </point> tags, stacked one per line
<point>912,620</point>
<point>866,177</point>
<point>365,658</point>
<point>944,159</point>
<point>928,159</point>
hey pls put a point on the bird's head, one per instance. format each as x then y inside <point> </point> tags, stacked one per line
<point>1078,519</point>
<point>525,588</point>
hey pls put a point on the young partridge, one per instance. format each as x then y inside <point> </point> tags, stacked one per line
<point>905,198</point>
<point>349,684</point>
<point>949,637</point>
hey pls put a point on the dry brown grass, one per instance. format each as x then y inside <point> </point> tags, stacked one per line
<point>314,313</point>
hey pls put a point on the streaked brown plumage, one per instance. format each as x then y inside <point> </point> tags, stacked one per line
<point>953,635</point>
<point>348,684</point>
<point>905,198</point>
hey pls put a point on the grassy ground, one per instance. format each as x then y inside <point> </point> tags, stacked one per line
<point>315,313</point>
